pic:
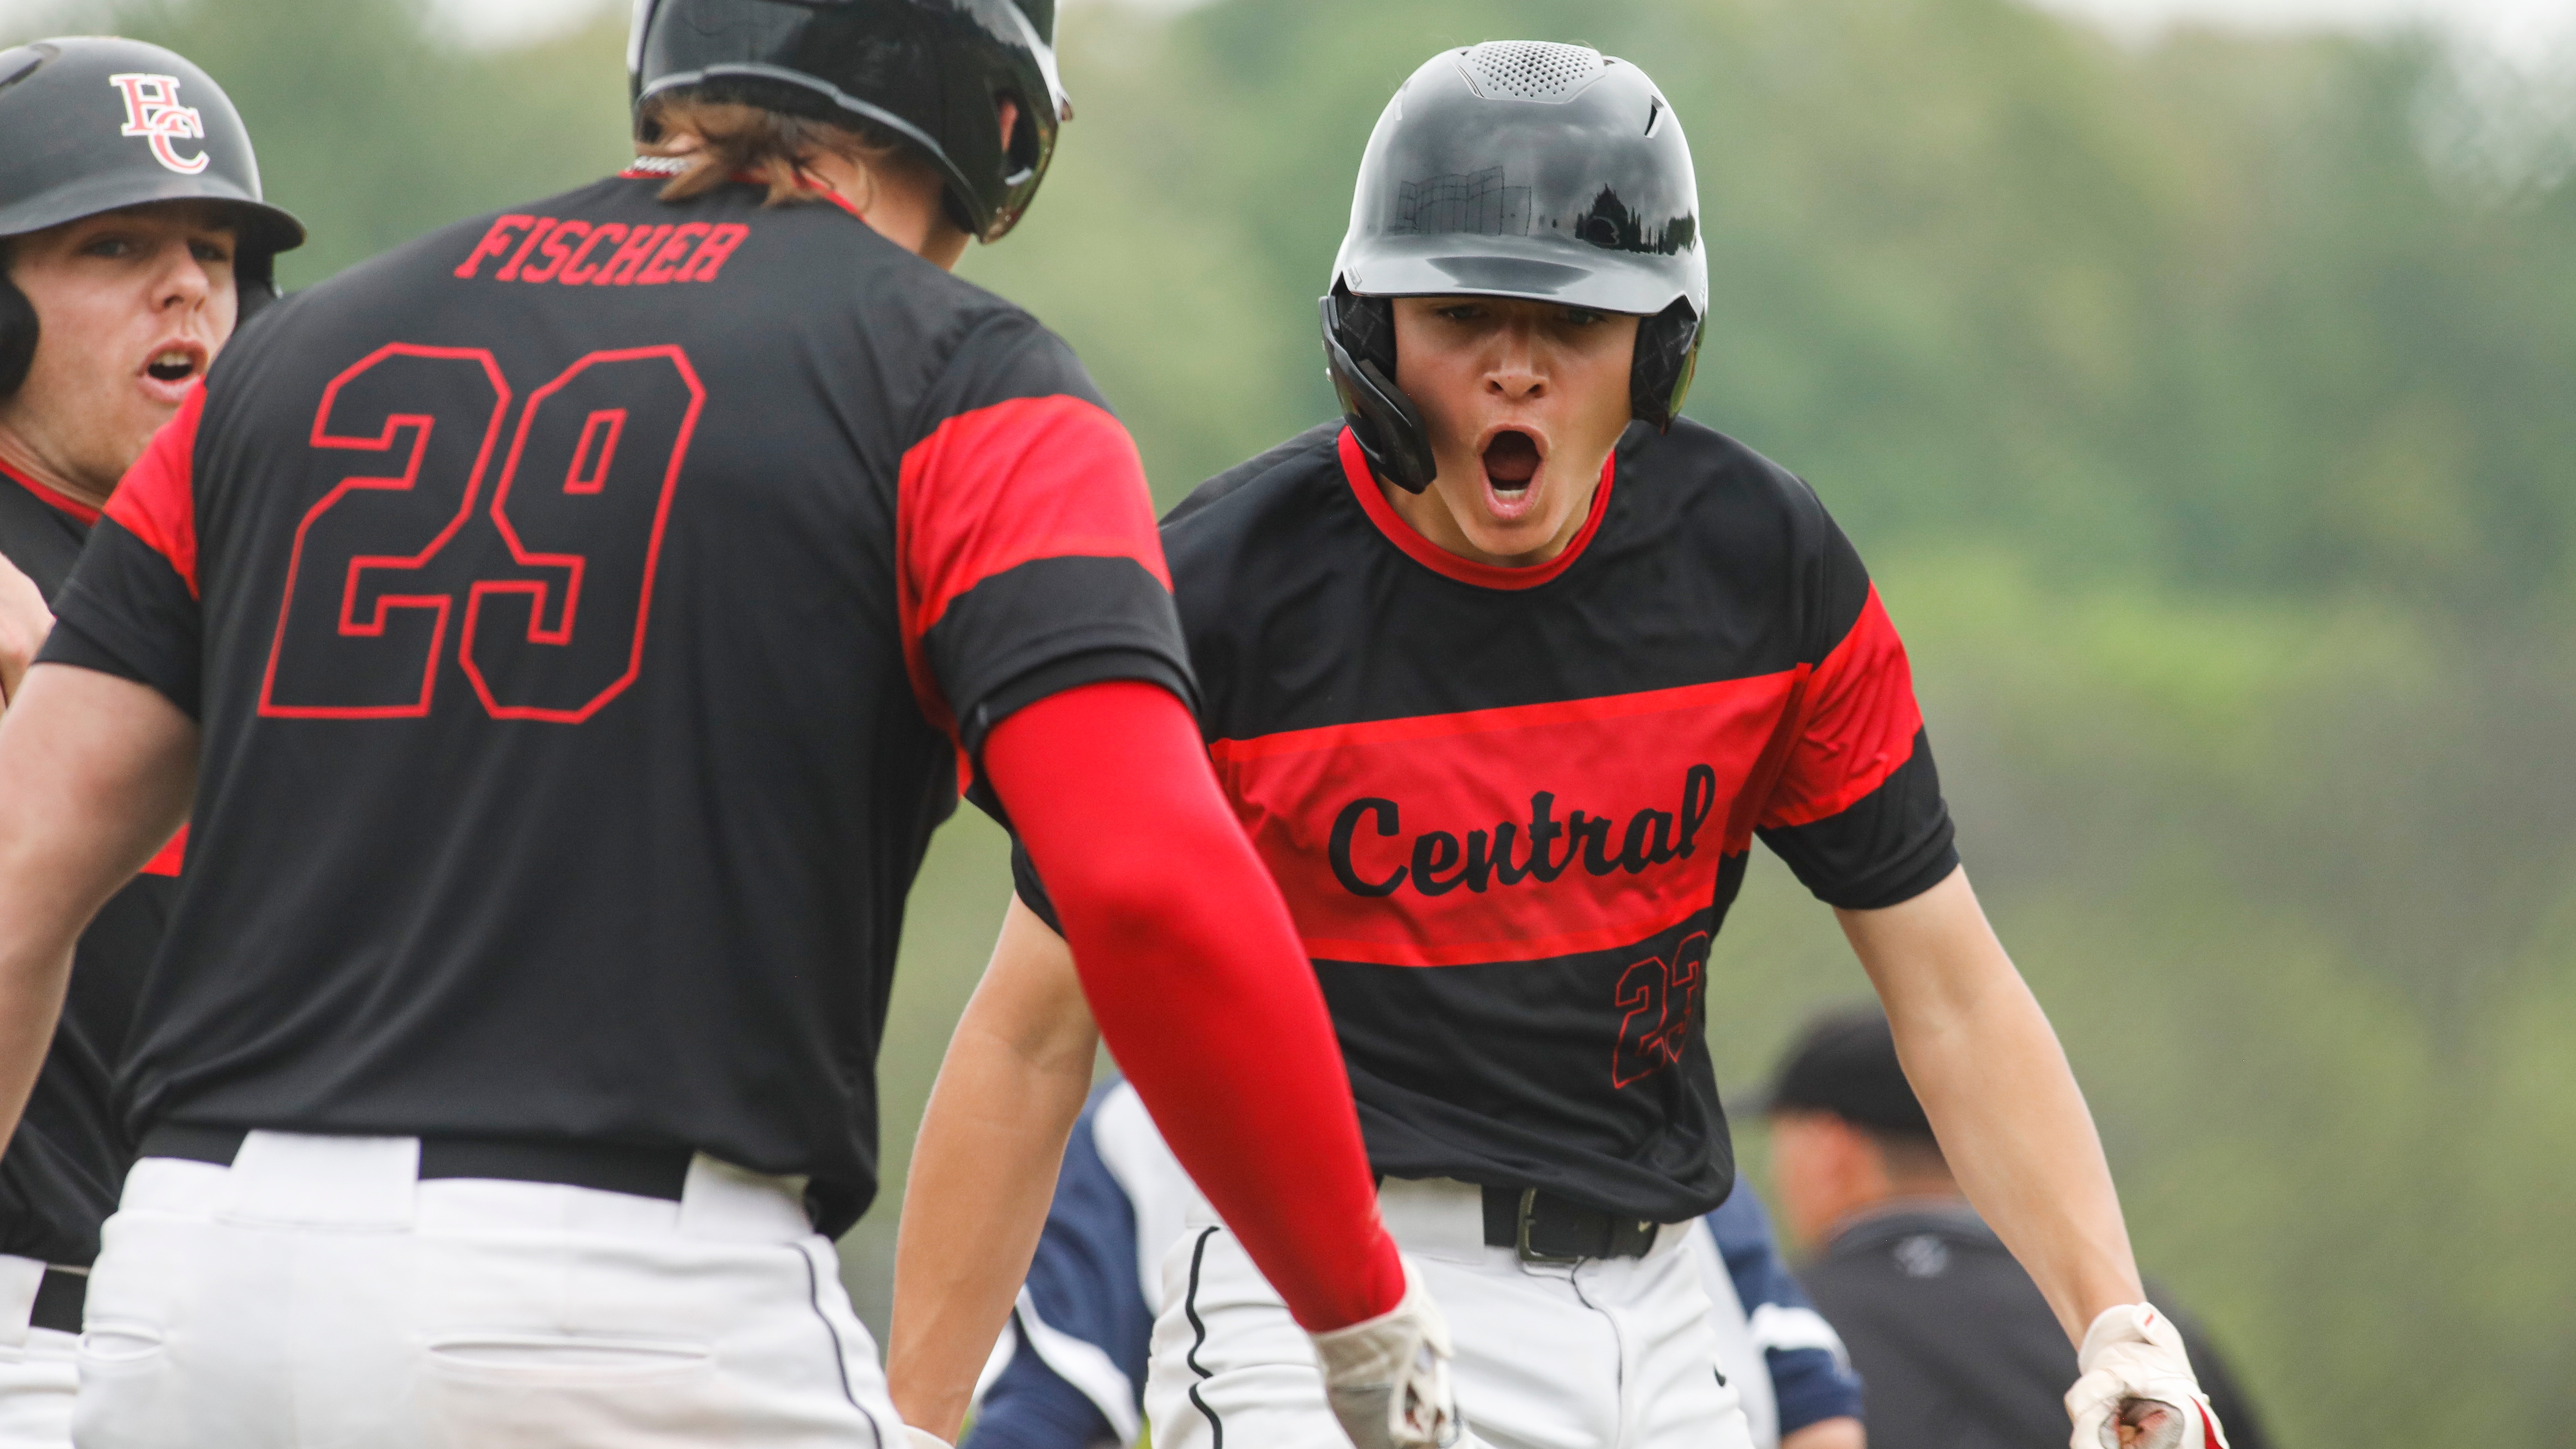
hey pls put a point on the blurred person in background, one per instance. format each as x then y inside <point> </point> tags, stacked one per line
<point>1954,1342</point>
<point>132,237</point>
<point>1069,1372</point>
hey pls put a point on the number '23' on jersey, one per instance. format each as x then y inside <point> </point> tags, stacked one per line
<point>1510,807</point>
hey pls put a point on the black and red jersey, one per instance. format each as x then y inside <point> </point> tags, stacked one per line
<point>585,607</point>
<point>1509,807</point>
<point>60,1176</point>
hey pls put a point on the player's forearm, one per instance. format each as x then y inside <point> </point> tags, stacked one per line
<point>95,772</point>
<point>984,1169</point>
<point>1195,974</point>
<point>2001,1097</point>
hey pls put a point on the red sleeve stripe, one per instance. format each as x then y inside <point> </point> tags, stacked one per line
<point>1857,728</point>
<point>172,857</point>
<point>157,501</point>
<point>989,490</point>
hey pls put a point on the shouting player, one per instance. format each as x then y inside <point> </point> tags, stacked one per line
<point>566,630</point>
<point>1504,674</point>
<point>131,234</point>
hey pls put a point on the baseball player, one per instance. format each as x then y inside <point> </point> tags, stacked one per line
<point>1958,1346</point>
<point>562,634</point>
<point>1070,1373</point>
<point>132,234</point>
<point>1503,674</point>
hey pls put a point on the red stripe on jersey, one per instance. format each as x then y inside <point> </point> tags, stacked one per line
<point>1440,560</point>
<point>157,502</point>
<point>172,856</point>
<point>63,501</point>
<point>989,490</point>
<point>1411,842</point>
<point>1857,727</point>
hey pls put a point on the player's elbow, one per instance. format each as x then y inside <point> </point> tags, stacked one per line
<point>1119,894</point>
<point>1175,887</point>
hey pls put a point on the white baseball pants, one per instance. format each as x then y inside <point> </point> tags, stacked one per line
<point>37,1373</point>
<point>316,1293</point>
<point>1610,1353</point>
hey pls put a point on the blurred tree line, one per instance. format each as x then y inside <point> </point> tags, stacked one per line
<point>2203,417</point>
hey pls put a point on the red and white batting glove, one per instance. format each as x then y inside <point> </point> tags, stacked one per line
<point>2137,1390</point>
<point>1388,1377</point>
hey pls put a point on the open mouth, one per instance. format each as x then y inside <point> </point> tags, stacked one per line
<point>172,365</point>
<point>1511,461</point>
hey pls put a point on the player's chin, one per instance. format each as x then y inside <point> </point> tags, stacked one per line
<point>1509,527</point>
<point>1514,504</point>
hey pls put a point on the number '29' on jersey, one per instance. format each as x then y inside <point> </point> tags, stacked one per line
<point>584,608</point>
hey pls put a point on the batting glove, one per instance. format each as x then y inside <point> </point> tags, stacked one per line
<point>923,1439</point>
<point>2135,1376</point>
<point>1388,1376</point>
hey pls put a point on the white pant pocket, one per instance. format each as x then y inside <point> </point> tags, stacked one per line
<point>557,1357</point>
<point>118,1347</point>
<point>541,1391</point>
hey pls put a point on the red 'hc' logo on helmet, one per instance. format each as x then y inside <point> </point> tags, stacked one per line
<point>152,111</point>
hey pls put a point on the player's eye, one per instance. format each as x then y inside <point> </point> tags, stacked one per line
<point>1584,317</point>
<point>211,251</point>
<point>112,247</point>
<point>1460,312</point>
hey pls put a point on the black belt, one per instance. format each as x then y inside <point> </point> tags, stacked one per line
<point>1546,1228</point>
<point>608,1166</point>
<point>58,1301</point>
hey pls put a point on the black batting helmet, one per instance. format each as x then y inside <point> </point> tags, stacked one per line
<point>95,123</point>
<point>931,71</point>
<point>1517,168</point>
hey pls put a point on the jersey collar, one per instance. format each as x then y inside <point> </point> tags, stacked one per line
<point>1440,560</point>
<point>61,502</point>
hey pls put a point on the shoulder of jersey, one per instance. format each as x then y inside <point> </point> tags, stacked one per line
<point>1292,462</point>
<point>1720,467</point>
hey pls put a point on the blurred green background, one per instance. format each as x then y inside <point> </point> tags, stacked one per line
<point>2203,407</point>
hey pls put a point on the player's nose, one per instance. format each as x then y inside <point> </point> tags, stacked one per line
<point>1514,373</point>
<point>184,279</point>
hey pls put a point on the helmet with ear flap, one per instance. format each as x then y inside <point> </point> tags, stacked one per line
<point>17,330</point>
<point>1518,169</point>
<point>1359,357</point>
<point>76,149</point>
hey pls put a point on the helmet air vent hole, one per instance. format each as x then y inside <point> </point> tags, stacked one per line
<point>1531,70</point>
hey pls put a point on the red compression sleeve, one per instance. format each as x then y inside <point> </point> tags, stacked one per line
<point>1200,987</point>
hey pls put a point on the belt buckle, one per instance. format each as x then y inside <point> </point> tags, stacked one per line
<point>1528,1254</point>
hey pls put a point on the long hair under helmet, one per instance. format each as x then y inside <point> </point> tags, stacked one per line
<point>1517,168</point>
<point>930,71</point>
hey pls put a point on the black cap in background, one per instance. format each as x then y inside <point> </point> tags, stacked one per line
<point>1845,1063</point>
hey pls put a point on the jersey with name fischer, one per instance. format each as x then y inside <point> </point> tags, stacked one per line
<point>1509,808</point>
<point>60,1177</point>
<point>585,608</point>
